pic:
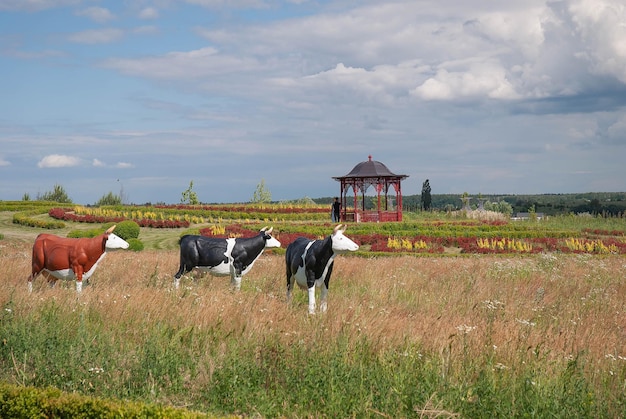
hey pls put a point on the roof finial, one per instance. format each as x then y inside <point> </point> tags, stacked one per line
<point>369,157</point>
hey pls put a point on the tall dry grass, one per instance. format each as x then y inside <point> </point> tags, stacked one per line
<point>488,312</point>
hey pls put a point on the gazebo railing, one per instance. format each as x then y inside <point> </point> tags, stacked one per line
<point>371,216</point>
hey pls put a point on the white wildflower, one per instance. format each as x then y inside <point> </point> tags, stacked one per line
<point>465,329</point>
<point>493,304</point>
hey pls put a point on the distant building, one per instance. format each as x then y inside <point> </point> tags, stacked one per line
<point>526,216</point>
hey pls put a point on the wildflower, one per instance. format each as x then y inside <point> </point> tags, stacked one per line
<point>493,305</point>
<point>525,322</point>
<point>465,329</point>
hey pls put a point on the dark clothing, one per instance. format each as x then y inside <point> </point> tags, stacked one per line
<point>336,211</point>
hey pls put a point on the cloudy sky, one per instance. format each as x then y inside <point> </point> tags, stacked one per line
<point>142,97</point>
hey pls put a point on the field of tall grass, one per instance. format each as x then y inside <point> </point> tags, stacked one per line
<point>540,335</point>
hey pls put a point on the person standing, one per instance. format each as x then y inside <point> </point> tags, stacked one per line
<point>336,210</point>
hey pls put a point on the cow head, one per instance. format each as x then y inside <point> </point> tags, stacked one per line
<point>113,241</point>
<point>270,241</point>
<point>342,244</point>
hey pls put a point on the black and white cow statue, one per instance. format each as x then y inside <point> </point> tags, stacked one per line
<point>222,257</point>
<point>310,264</point>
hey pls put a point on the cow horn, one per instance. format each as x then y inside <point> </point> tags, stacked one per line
<point>336,229</point>
<point>270,230</point>
<point>264,228</point>
<point>110,229</point>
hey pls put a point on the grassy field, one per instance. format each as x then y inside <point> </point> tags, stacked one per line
<point>475,336</point>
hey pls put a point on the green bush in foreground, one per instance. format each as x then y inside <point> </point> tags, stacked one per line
<point>127,229</point>
<point>135,244</point>
<point>28,402</point>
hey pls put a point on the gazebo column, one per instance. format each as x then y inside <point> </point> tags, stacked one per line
<point>398,201</point>
<point>342,200</point>
<point>378,189</point>
<point>356,209</point>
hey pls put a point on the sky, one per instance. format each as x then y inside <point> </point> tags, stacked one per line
<point>141,98</point>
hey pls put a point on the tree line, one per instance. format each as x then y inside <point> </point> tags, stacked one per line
<point>611,204</point>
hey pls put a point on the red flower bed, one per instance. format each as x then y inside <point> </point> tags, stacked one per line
<point>67,214</point>
<point>245,208</point>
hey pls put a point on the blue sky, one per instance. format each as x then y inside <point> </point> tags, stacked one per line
<point>143,97</point>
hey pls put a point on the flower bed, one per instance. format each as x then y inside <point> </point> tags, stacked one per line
<point>425,236</point>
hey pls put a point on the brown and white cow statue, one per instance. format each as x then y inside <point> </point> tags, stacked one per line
<point>71,258</point>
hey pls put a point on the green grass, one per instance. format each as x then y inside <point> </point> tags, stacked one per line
<point>75,349</point>
<point>478,336</point>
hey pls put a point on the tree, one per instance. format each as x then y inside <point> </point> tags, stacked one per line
<point>189,196</point>
<point>426,198</point>
<point>109,199</point>
<point>499,206</point>
<point>261,194</point>
<point>58,194</point>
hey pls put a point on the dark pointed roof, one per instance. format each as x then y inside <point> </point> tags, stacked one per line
<point>370,169</point>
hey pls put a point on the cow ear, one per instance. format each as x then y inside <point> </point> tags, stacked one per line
<point>110,230</point>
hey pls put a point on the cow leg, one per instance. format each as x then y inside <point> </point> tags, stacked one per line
<point>236,282</point>
<point>310,283</point>
<point>290,282</point>
<point>181,271</point>
<point>235,277</point>
<point>30,282</point>
<point>311,291</point>
<point>323,295</point>
<point>79,278</point>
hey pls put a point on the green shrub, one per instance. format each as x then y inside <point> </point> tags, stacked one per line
<point>25,219</point>
<point>127,229</point>
<point>30,402</point>
<point>135,244</point>
<point>92,232</point>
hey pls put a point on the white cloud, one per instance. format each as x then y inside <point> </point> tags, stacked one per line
<point>98,163</point>
<point>35,5</point>
<point>602,28</point>
<point>4,162</point>
<point>146,30</point>
<point>149,13</point>
<point>122,165</point>
<point>58,160</point>
<point>97,36</point>
<point>487,79</point>
<point>200,63</point>
<point>97,14</point>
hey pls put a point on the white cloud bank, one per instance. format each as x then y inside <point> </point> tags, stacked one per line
<point>58,160</point>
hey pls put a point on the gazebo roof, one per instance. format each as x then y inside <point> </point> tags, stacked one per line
<point>370,169</point>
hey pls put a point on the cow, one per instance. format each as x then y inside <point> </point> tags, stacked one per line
<point>222,257</point>
<point>71,258</point>
<point>310,263</point>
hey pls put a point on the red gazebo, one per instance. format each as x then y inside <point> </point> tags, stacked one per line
<point>366,174</point>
